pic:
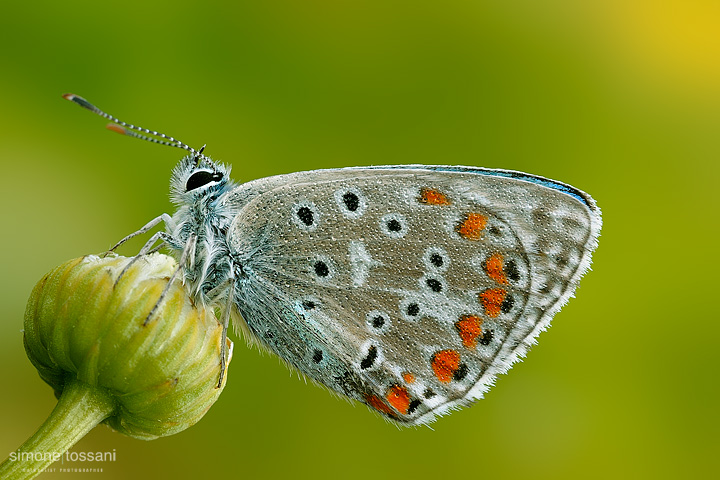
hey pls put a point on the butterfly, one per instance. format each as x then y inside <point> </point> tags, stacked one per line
<point>408,288</point>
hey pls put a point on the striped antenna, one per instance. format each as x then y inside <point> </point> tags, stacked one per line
<point>131,130</point>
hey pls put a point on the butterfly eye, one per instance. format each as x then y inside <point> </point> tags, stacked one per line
<point>202,178</point>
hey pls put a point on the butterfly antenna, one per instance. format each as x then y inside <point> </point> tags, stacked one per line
<point>131,130</point>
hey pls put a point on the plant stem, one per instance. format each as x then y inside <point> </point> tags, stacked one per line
<point>81,407</point>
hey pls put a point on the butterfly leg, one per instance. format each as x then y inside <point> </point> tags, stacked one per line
<point>147,248</point>
<point>146,228</point>
<point>225,322</point>
<point>189,246</point>
<point>157,248</point>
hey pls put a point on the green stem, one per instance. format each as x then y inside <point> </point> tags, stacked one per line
<point>81,407</point>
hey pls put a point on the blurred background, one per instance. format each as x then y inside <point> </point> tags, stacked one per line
<point>620,98</point>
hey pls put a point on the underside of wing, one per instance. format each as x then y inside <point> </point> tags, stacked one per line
<point>408,288</point>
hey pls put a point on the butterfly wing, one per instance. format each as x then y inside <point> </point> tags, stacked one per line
<point>407,288</point>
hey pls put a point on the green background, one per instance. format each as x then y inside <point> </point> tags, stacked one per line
<point>617,97</point>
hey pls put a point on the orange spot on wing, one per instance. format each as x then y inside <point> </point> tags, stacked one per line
<point>431,196</point>
<point>378,404</point>
<point>445,363</point>
<point>408,377</point>
<point>494,267</point>
<point>492,300</point>
<point>472,227</point>
<point>469,329</point>
<point>399,398</point>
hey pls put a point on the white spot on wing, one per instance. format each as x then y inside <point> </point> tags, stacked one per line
<point>361,262</point>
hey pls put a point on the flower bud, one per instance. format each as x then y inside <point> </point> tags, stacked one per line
<point>84,325</point>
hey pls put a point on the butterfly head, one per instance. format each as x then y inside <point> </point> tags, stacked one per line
<point>197,177</point>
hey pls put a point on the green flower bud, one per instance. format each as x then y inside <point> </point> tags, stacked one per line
<point>83,326</point>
